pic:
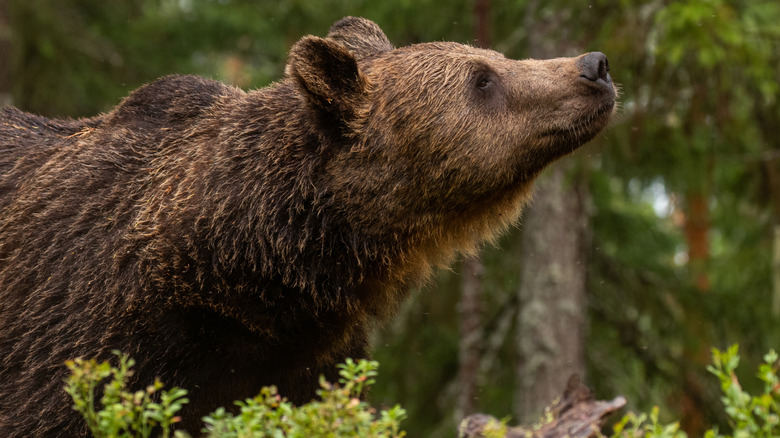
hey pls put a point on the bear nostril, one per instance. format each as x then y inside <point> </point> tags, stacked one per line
<point>594,66</point>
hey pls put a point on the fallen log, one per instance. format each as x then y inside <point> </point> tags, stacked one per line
<point>575,415</point>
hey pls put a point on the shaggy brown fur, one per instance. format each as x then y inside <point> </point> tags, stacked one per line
<point>228,240</point>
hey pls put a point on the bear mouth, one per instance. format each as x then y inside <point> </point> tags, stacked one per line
<point>584,128</point>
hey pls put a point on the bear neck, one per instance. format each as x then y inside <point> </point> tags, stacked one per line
<point>275,226</point>
<point>263,218</point>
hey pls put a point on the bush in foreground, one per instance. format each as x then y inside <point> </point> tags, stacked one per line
<point>123,413</point>
<point>341,413</point>
<point>749,416</point>
<point>338,413</point>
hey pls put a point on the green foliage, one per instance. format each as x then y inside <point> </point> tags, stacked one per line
<point>495,428</point>
<point>339,413</point>
<point>643,425</point>
<point>749,416</point>
<point>123,413</point>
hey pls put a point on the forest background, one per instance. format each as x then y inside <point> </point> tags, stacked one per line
<point>655,242</point>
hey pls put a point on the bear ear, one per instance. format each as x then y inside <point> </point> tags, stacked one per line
<point>327,72</point>
<point>360,36</point>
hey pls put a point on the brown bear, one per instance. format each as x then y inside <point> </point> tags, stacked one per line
<point>228,240</point>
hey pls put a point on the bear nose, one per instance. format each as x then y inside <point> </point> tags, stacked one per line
<point>595,66</point>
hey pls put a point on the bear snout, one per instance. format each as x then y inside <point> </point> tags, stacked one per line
<point>594,67</point>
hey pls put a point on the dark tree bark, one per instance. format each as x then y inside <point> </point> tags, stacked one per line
<point>469,355</point>
<point>470,305</point>
<point>697,230</point>
<point>482,23</point>
<point>5,55</point>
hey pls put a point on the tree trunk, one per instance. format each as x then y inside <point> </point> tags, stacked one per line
<point>5,55</point>
<point>482,23</point>
<point>551,322</point>
<point>697,230</point>
<point>470,306</point>
<point>693,401</point>
<point>469,354</point>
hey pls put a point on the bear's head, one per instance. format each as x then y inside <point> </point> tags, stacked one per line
<point>443,139</point>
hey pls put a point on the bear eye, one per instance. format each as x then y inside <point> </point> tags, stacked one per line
<point>484,80</point>
<point>483,83</point>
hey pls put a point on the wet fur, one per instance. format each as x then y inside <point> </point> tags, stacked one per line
<point>228,240</point>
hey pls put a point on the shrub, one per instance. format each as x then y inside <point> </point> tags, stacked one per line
<point>750,416</point>
<point>123,413</point>
<point>339,413</point>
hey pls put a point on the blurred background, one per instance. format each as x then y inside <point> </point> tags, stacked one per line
<point>652,244</point>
